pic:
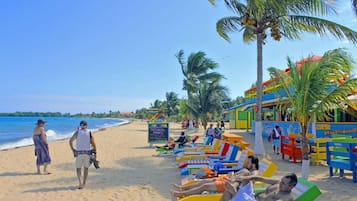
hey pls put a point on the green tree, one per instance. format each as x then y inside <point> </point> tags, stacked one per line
<point>315,88</point>
<point>196,70</point>
<point>157,104</point>
<point>288,18</point>
<point>172,101</point>
<point>183,109</point>
<point>208,101</point>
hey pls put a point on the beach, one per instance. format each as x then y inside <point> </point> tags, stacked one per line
<point>130,170</point>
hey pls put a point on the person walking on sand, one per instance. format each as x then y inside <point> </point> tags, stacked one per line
<point>84,141</point>
<point>41,147</point>
<point>275,135</point>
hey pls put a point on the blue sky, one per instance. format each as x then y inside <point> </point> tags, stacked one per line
<point>96,56</point>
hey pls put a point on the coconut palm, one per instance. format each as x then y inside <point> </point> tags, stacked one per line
<point>316,87</point>
<point>282,18</point>
<point>195,71</point>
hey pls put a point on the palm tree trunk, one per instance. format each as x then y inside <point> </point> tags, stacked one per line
<point>259,147</point>
<point>305,167</point>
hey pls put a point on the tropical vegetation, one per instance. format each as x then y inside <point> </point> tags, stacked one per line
<point>313,89</point>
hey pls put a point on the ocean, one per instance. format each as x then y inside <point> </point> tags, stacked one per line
<point>17,131</point>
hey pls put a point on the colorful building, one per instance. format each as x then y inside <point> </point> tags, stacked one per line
<point>242,116</point>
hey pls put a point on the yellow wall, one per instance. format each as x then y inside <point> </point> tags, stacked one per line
<point>236,122</point>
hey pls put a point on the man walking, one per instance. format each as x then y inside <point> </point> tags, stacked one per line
<point>85,145</point>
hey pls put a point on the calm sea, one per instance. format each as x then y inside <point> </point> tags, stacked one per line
<point>17,131</point>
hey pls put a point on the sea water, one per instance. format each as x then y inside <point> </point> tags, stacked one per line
<point>17,131</point>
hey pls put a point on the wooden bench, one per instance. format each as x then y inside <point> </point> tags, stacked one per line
<point>318,150</point>
<point>341,155</point>
<point>318,146</point>
<point>289,147</point>
<point>231,138</point>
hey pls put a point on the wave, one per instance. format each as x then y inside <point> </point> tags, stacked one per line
<point>53,136</point>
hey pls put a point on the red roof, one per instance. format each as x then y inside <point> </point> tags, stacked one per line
<point>126,112</point>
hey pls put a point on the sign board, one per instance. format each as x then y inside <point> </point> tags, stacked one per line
<point>158,132</point>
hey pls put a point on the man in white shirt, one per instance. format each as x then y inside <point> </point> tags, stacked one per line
<point>85,146</point>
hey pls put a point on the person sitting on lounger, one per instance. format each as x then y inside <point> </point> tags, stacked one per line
<point>216,184</point>
<point>219,184</point>
<point>170,144</point>
<point>278,190</point>
<point>182,139</point>
<point>233,186</point>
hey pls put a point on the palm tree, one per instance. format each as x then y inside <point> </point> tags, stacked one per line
<point>171,102</point>
<point>207,100</point>
<point>196,71</point>
<point>314,88</point>
<point>287,18</point>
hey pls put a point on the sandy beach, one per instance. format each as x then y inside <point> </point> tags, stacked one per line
<point>130,170</point>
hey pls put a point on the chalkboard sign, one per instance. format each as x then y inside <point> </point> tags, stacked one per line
<point>158,132</point>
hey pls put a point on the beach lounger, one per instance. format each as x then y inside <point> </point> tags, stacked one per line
<point>189,166</point>
<point>266,169</point>
<point>303,191</point>
<point>203,155</point>
<point>200,148</point>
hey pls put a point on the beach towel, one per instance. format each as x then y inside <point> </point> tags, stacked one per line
<point>245,193</point>
<point>41,151</point>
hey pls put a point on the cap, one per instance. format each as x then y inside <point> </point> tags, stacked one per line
<point>83,123</point>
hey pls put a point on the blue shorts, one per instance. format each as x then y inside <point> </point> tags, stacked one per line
<point>276,142</point>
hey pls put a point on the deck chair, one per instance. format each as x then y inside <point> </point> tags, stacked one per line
<point>303,191</point>
<point>223,148</point>
<point>229,156</point>
<point>205,146</point>
<point>240,163</point>
<point>233,165</point>
<point>189,166</point>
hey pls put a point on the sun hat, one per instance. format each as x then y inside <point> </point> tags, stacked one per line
<point>40,121</point>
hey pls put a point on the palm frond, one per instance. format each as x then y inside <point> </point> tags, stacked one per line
<point>228,24</point>
<point>322,26</point>
<point>310,7</point>
<point>213,2</point>
<point>212,77</point>
<point>248,35</point>
<point>180,59</point>
<point>236,6</point>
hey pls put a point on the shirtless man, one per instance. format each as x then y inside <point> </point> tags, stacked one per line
<point>279,190</point>
<point>232,186</point>
<point>219,184</point>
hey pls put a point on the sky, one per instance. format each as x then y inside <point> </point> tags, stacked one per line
<point>115,55</point>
